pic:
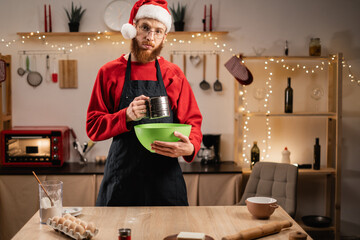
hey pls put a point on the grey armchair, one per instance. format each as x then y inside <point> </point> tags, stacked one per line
<point>276,180</point>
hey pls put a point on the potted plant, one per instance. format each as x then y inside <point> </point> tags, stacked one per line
<point>74,15</point>
<point>178,15</point>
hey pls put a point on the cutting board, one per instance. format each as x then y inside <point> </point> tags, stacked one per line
<point>68,74</point>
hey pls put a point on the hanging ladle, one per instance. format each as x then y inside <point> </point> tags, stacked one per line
<point>217,83</point>
<point>204,85</point>
<point>21,71</point>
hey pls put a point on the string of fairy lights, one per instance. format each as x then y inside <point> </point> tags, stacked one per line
<point>115,39</point>
<point>246,145</point>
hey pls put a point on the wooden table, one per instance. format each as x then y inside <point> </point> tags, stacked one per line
<point>156,223</point>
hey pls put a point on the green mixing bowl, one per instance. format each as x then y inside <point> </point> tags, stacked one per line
<point>148,133</point>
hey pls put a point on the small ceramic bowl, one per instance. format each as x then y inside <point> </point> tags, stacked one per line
<point>261,207</point>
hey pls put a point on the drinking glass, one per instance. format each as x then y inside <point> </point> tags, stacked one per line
<point>47,210</point>
<point>317,93</point>
<point>259,94</point>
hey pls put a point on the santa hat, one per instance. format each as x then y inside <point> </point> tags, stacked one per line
<point>155,9</point>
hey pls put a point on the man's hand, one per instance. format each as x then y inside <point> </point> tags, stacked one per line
<point>174,149</point>
<point>136,109</point>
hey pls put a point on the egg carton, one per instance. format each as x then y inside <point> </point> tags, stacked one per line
<point>70,232</point>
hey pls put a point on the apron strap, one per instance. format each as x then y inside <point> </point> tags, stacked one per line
<point>127,74</point>
<point>158,75</point>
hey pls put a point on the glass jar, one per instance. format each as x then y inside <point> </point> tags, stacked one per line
<point>315,47</point>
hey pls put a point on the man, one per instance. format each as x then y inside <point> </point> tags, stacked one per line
<point>133,175</point>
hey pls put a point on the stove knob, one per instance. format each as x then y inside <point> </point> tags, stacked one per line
<point>55,156</point>
<point>55,148</point>
<point>55,140</point>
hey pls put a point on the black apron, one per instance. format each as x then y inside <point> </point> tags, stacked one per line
<point>133,175</point>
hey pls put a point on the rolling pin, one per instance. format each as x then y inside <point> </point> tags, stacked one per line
<point>260,231</point>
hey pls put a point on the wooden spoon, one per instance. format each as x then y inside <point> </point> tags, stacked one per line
<point>184,63</point>
<point>51,201</point>
<point>171,58</point>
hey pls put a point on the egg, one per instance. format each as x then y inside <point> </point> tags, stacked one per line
<point>55,220</point>
<point>72,218</point>
<point>67,223</point>
<point>67,216</point>
<point>91,227</point>
<point>73,225</point>
<point>61,220</point>
<point>78,221</point>
<point>82,223</point>
<point>80,229</point>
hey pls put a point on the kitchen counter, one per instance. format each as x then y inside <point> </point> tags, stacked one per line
<point>75,168</point>
<point>149,223</point>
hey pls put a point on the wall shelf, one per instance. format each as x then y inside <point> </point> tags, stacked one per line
<point>323,171</point>
<point>275,58</point>
<point>295,114</point>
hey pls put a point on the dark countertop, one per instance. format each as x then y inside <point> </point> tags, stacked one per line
<point>75,168</point>
<point>197,167</point>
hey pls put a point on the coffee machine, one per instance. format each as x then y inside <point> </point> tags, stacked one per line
<point>209,152</point>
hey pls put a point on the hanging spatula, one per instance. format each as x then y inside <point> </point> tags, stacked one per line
<point>217,83</point>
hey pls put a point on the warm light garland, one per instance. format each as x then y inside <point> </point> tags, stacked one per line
<point>246,146</point>
<point>171,40</point>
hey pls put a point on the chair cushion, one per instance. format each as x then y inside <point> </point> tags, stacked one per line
<point>276,180</point>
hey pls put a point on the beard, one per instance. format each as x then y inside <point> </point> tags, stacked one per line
<point>143,55</point>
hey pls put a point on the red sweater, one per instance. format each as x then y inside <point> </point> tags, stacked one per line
<point>104,121</point>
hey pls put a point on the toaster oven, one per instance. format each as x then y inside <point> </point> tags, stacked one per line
<point>26,146</point>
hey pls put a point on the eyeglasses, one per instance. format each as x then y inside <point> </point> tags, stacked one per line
<point>146,29</point>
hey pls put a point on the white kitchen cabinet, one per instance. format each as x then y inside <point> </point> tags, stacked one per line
<point>259,116</point>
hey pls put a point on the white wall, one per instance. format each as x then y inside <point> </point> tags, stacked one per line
<point>251,24</point>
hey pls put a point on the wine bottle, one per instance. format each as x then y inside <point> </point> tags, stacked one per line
<point>289,98</point>
<point>255,154</point>
<point>317,148</point>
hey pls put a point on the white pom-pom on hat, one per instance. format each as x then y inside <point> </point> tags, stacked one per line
<point>128,31</point>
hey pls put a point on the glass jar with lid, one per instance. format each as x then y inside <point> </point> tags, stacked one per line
<point>315,47</point>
